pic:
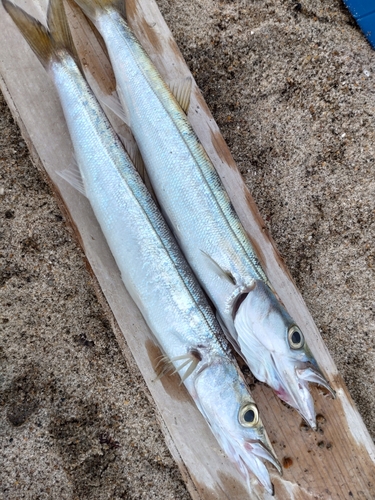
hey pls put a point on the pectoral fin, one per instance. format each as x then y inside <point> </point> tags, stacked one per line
<point>223,273</point>
<point>168,365</point>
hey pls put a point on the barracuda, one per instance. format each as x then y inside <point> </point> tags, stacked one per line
<point>203,220</point>
<point>152,267</point>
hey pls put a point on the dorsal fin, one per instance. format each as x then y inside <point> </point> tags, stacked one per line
<point>136,157</point>
<point>113,103</point>
<point>181,89</point>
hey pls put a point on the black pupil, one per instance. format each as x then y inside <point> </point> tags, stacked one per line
<point>296,337</point>
<point>249,416</point>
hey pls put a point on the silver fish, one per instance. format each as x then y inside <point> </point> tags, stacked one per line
<point>151,264</point>
<point>203,220</point>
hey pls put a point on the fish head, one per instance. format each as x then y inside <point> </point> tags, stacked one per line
<point>226,402</point>
<point>276,350</point>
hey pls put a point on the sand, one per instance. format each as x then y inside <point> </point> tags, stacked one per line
<point>74,421</point>
<point>291,86</point>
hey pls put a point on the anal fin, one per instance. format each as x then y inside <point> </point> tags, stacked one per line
<point>114,104</point>
<point>72,176</point>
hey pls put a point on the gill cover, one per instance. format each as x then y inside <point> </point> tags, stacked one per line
<point>227,405</point>
<point>276,350</point>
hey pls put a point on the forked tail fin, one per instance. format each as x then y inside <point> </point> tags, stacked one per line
<point>44,42</point>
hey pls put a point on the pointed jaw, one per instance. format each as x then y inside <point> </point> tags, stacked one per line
<point>294,389</point>
<point>304,404</point>
<point>233,416</point>
<point>313,375</point>
<point>253,458</point>
<point>260,450</point>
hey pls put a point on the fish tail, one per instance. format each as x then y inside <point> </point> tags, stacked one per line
<point>44,42</point>
<point>33,31</point>
<point>92,8</point>
<point>59,28</point>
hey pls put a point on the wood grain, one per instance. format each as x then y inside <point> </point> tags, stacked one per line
<point>337,461</point>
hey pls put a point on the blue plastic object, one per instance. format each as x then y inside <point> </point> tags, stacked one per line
<point>363,12</point>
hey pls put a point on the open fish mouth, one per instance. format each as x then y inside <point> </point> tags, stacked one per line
<point>294,388</point>
<point>312,374</point>
<point>276,350</point>
<point>260,450</point>
<point>253,460</point>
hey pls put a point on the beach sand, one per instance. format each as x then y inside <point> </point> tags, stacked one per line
<point>291,86</point>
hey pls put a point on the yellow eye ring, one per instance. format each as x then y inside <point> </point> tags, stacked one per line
<point>248,416</point>
<point>295,337</point>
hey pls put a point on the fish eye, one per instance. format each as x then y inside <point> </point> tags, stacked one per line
<point>295,337</point>
<point>248,415</point>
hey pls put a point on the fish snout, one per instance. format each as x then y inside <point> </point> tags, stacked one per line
<point>253,457</point>
<point>311,373</point>
<point>261,450</point>
<point>305,375</point>
<point>293,388</point>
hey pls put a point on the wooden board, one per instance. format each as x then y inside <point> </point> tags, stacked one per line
<point>338,461</point>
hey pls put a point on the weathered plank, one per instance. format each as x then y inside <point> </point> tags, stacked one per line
<point>329,464</point>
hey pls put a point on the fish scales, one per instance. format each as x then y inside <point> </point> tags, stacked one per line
<point>153,269</point>
<point>151,264</point>
<point>158,274</point>
<point>167,142</point>
<point>204,222</point>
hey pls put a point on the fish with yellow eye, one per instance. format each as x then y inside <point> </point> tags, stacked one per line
<point>152,267</point>
<point>202,218</point>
